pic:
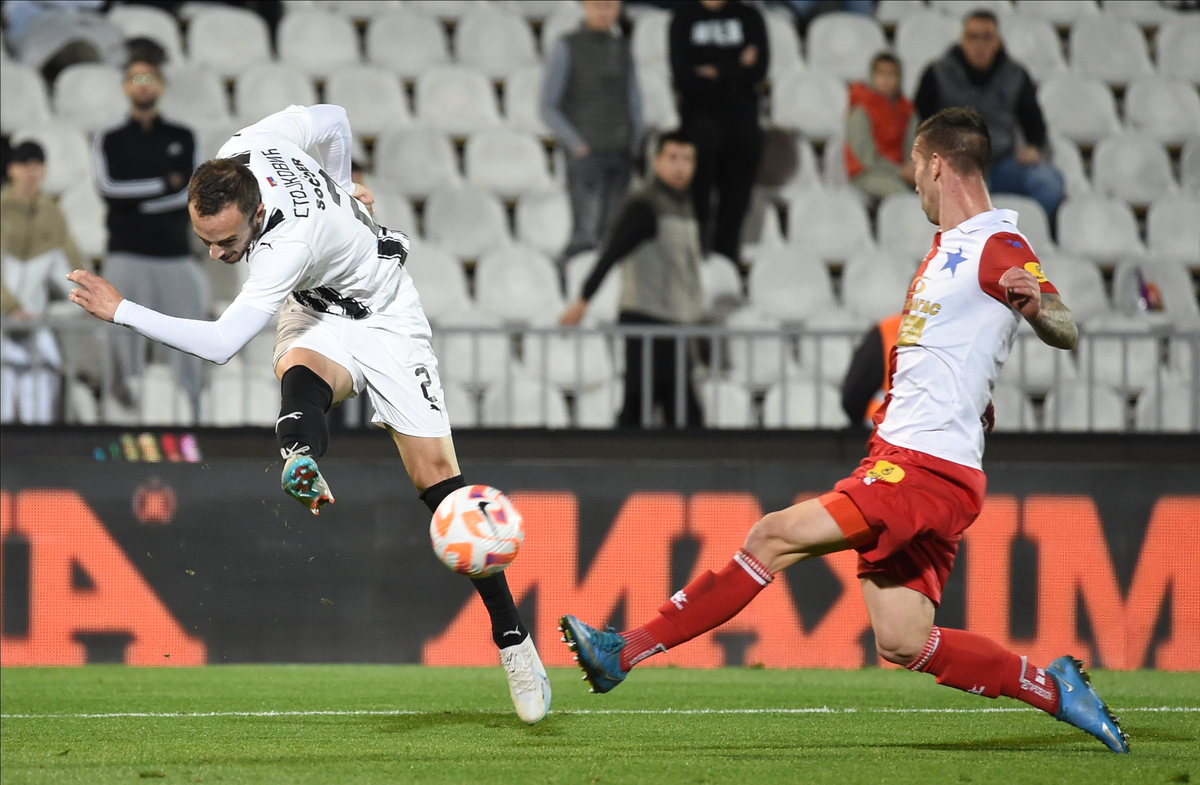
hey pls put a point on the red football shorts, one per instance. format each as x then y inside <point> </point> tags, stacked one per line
<point>905,512</point>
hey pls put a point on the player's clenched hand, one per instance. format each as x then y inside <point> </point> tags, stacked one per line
<point>364,195</point>
<point>95,295</point>
<point>1022,291</point>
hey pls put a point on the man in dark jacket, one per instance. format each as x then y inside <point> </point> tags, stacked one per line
<point>978,73</point>
<point>719,57</point>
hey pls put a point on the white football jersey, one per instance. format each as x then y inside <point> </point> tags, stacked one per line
<point>956,331</point>
<point>317,243</point>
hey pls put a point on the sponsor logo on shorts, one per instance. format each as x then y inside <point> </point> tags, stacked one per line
<point>883,470</point>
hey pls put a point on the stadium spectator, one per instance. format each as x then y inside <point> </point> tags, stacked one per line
<point>880,127</point>
<point>37,253</point>
<point>719,57</point>
<point>350,323</point>
<point>50,35</point>
<point>978,73</point>
<point>590,101</point>
<point>866,384</point>
<point>142,169</point>
<point>657,239</point>
<point>906,507</point>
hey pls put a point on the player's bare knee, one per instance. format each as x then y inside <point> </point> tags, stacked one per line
<point>900,646</point>
<point>766,537</point>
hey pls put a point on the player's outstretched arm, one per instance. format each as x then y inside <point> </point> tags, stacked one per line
<point>213,341</point>
<point>1050,318</point>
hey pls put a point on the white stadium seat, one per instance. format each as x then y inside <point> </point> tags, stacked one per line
<point>831,225</point>
<point>456,99</point>
<point>212,135</point>
<point>1013,410</point>
<point>358,10</point>
<point>1180,308</point>
<point>1110,49</point>
<point>269,88</point>
<point>317,42</point>
<point>85,213</point>
<point>23,98</point>
<point>875,284</point>
<point>572,360</point>
<point>145,21</point>
<point>445,10</point>
<point>833,168</point>
<point>1031,220</point>
<point>812,102</point>
<point>1172,228</point>
<point>1166,405</point>
<point>406,42</point>
<point>461,406</point>
<point>890,12</point>
<point>783,43</point>
<point>524,403</point>
<point>543,220</point>
<point>518,284</point>
<point>68,154</point>
<point>89,95</point>
<point>844,43</point>
<point>466,221</point>
<point>506,161</point>
<point>649,42</point>
<point>1062,13</point>
<point>471,351</point>
<point>763,356</point>
<point>494,41</point>
<point>1147,13</point>
<point>394,211</point>
<point>720,286</point>
<point>790,287</point>
<point>566,19</point>
<point>922,38</point>
<point>1125,363</point>
<point>162,401</point>
<point>957,9</point>
<point>1081,285</point>
<point>1101,228</point>
<point>374,99</point>
<point>1167,109</point>
<point>194,94</point>
<point>1066,158</point>
<point>658,99</point>
<point>1179,48</point>
<point>1034,367</point>
<point>1033,42</point>
<point>902,228</point>
<point>1132,166</point>
<point>726,404</point>
<point>1079,108</point>
<point>826,353</point>
<point>416,161</point>
<point>441,281</point>
<point>522,100</point>
<point>602,308</point>
<point>1189,165</point>
<point>803,403</point>
<point>230,40</point>
<point>531,10</point>
<point>598,406</point>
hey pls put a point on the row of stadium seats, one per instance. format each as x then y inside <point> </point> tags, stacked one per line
<point>407,39</point>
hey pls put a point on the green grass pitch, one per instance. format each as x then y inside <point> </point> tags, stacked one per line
<point>401,724</point>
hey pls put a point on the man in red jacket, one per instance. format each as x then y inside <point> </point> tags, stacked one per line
<point>880,126</point>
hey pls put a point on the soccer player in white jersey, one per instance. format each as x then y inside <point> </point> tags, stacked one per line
<point>279,195</point>
<point>904,509</point>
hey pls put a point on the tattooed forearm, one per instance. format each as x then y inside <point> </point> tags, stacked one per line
<point>1054,323</point>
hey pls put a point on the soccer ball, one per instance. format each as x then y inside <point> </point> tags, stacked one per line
<point>476,531</point>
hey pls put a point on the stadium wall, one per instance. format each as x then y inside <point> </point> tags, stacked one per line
<point>163,548</point>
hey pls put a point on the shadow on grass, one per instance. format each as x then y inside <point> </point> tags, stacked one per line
<point>411,723</point>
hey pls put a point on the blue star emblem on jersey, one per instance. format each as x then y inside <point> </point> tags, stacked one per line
<point>953,260</point>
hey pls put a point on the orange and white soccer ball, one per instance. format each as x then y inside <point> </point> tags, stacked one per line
<point>477,531</point>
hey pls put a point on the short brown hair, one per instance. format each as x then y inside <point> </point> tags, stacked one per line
<point>960,136</point>
<point>220,182</point>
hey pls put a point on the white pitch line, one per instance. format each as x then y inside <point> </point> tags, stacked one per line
<point>407,713</point>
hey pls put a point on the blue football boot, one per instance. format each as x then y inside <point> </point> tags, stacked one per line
<point>1079,705</point>
<point>303,482</point>
<point>597,652</point>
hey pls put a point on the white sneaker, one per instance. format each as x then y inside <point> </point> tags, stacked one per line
<point>527,681</point>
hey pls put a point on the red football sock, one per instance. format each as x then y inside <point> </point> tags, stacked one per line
<point>707,602</point>
<point>973,663</point>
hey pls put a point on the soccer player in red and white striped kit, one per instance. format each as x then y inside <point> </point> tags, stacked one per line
<point>905,507</point>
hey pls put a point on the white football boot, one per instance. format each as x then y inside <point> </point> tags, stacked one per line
<point>528,683</point>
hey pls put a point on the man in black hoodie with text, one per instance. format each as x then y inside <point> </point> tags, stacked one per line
<point>719,56</point>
